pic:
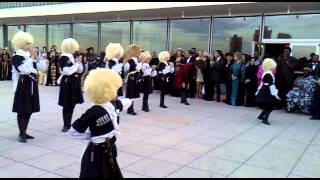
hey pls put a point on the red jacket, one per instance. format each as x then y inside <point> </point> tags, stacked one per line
<point>184,74</point>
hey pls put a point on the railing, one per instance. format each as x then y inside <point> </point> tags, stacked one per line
<point>5,5</point>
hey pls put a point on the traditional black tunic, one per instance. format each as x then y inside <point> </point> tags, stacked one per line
<point>53,71</point>
<point>70,84</point>
<point>116,66</point>
<point>132,89</point>
<point>164,75</point>
<point>26,98</point>
<point>266,92</point>
<point>99,159</point>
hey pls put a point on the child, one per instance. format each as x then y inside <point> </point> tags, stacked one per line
<point>267,90</point>
<point>146,84</point>
<point>164,69</point>
<point>26,97</point>
<point>70,82</point>
<point>114,53</point>
<point>133,67</point>
<point>99,158</point>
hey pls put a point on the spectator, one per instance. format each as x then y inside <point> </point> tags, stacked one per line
<point>227,77</point>
<point>299,98</point>
<point>250,82</point>
<point>237,76</point>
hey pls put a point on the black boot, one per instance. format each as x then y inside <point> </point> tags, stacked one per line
<point>184,97</point>
<point>131,110</point>
<point>162,101</point>
<point>261,115</point>
<point>66,120</point>
<point>265,118</point>
<point>21,125</point>
<point>27,123</point>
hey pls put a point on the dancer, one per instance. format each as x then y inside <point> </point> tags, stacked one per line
<point>70,82</point>
<point>99,125</point>
<point>164,69</point>
<point>146,83</point>
<point>134,67</point>
<point>114,52</point>
<point>267,90</point>
<point>26,97</point>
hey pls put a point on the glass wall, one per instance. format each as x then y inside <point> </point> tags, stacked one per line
<point>1,37</point>
<point>57,32</point>
<point>86,34</point>
<point>235,33</point>
<point>292,27</point>
<point>116,32</point>
<point>150,35</point>
<point>39,34</point>
<point>11,32</point>
<point>189,33</point>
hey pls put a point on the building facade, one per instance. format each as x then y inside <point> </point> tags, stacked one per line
<point>167,26</point>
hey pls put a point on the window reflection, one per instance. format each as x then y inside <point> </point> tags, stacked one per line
<point>189,33</point>
<point>236,33</point>
<point>292,27</point>
<point>39,34</point>
<point>57,32</point>
<point>150,35</point>
<point>86,34</point>
<point>116,32</point>
<point>12,30</point>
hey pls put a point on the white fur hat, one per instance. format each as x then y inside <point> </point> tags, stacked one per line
<point>164,56</point>
<point>21,39</point>
<point>114,50</point>
<point>69,45</point>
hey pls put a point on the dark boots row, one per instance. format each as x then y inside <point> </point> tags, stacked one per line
<point>264,117</point>
<point>23,121</point>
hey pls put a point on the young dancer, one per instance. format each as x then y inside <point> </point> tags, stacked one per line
<point>114,53</point>
<point>70,82</point>
<point>267,90</point>
<point>133,67</point>
<point>99,125</point>
<point>26,97</point>
<point>146,84</point>
<point>164,69</point>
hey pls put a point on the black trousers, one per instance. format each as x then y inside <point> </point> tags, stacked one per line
<point>228,91</point>
<point>131,108</point>
<point>315,105</point>
<point>216,85</point>
<point>183,95</point>
<point>67,116</point>
<point>145,104</point>
<point>162,94</point>
<point>23,121</point>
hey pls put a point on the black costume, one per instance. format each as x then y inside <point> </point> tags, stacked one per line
<point>26,97</point>
<point>100,124</point>
<point>265,96</point>
<point>116,66</point>
<point>155,81</point>
<point>70,87</point>
<point>164,71</point>
<point>132,89</point>
<point>250,87</point>
<point>146,84</point>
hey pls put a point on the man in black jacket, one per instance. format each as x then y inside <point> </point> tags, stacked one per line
<point>216,71</point>
<point>315,106</point>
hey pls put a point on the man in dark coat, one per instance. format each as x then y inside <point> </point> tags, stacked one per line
<point>216,74</point>
<point>315,106</point>
<point>285,75</point>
